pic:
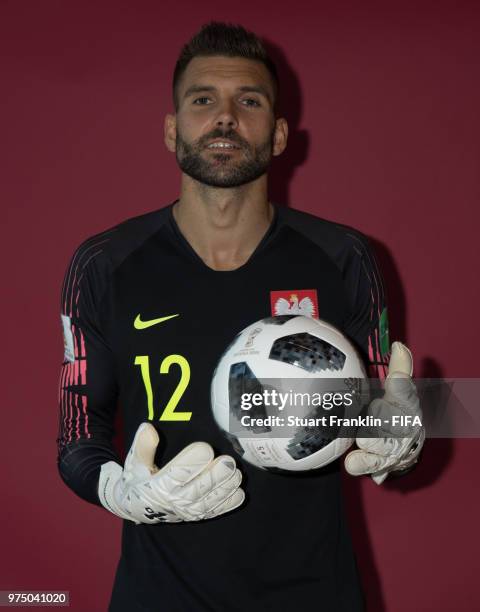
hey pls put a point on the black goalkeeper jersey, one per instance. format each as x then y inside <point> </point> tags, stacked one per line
<point>287,547</point>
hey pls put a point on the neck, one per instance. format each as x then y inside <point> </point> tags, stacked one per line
<point>223,226</point>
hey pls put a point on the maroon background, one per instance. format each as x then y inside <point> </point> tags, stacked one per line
<point>383,103</point>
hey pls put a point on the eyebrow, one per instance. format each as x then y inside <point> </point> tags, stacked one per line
<point>194,89</point>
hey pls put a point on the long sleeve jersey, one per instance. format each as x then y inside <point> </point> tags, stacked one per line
<point>288,544</point>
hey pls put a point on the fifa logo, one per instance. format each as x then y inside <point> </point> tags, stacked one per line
<point>251,336</point>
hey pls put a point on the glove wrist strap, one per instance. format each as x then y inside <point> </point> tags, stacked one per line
<point>110,475</point>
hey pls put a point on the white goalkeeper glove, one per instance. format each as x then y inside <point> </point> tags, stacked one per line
<point>193,486</point>
<point>379,456</point>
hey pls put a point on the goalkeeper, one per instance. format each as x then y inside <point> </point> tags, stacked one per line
<point>148,307</point>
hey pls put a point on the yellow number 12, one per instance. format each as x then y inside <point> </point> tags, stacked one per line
<point>168,413</point>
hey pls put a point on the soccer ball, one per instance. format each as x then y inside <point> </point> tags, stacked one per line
<point>270,389</point>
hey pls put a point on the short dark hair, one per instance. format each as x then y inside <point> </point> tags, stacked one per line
<point>227,39</point>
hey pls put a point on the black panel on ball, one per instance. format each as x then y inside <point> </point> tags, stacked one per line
<point>308,352</point>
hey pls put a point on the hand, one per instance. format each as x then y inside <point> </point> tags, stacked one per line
<point>193,486</point>
<point>379,456</point>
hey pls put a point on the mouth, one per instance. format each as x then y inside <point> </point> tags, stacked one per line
<point>222,145</point>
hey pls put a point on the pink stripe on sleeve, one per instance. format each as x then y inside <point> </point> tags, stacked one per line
<point>85,416</point>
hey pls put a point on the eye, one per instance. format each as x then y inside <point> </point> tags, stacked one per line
<point>201,101</point>
<point>251,102</point>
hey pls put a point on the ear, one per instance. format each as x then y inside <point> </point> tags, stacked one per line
<point>170,132</point>
<point>280,136</point>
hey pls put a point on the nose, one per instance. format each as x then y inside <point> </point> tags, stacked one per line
<point>226,117</point>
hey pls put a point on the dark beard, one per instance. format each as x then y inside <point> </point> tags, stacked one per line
<point>225,172</point>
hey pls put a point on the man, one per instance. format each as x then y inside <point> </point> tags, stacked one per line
<point>147,309</point>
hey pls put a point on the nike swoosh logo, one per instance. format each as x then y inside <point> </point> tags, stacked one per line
<point>139,324</point>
